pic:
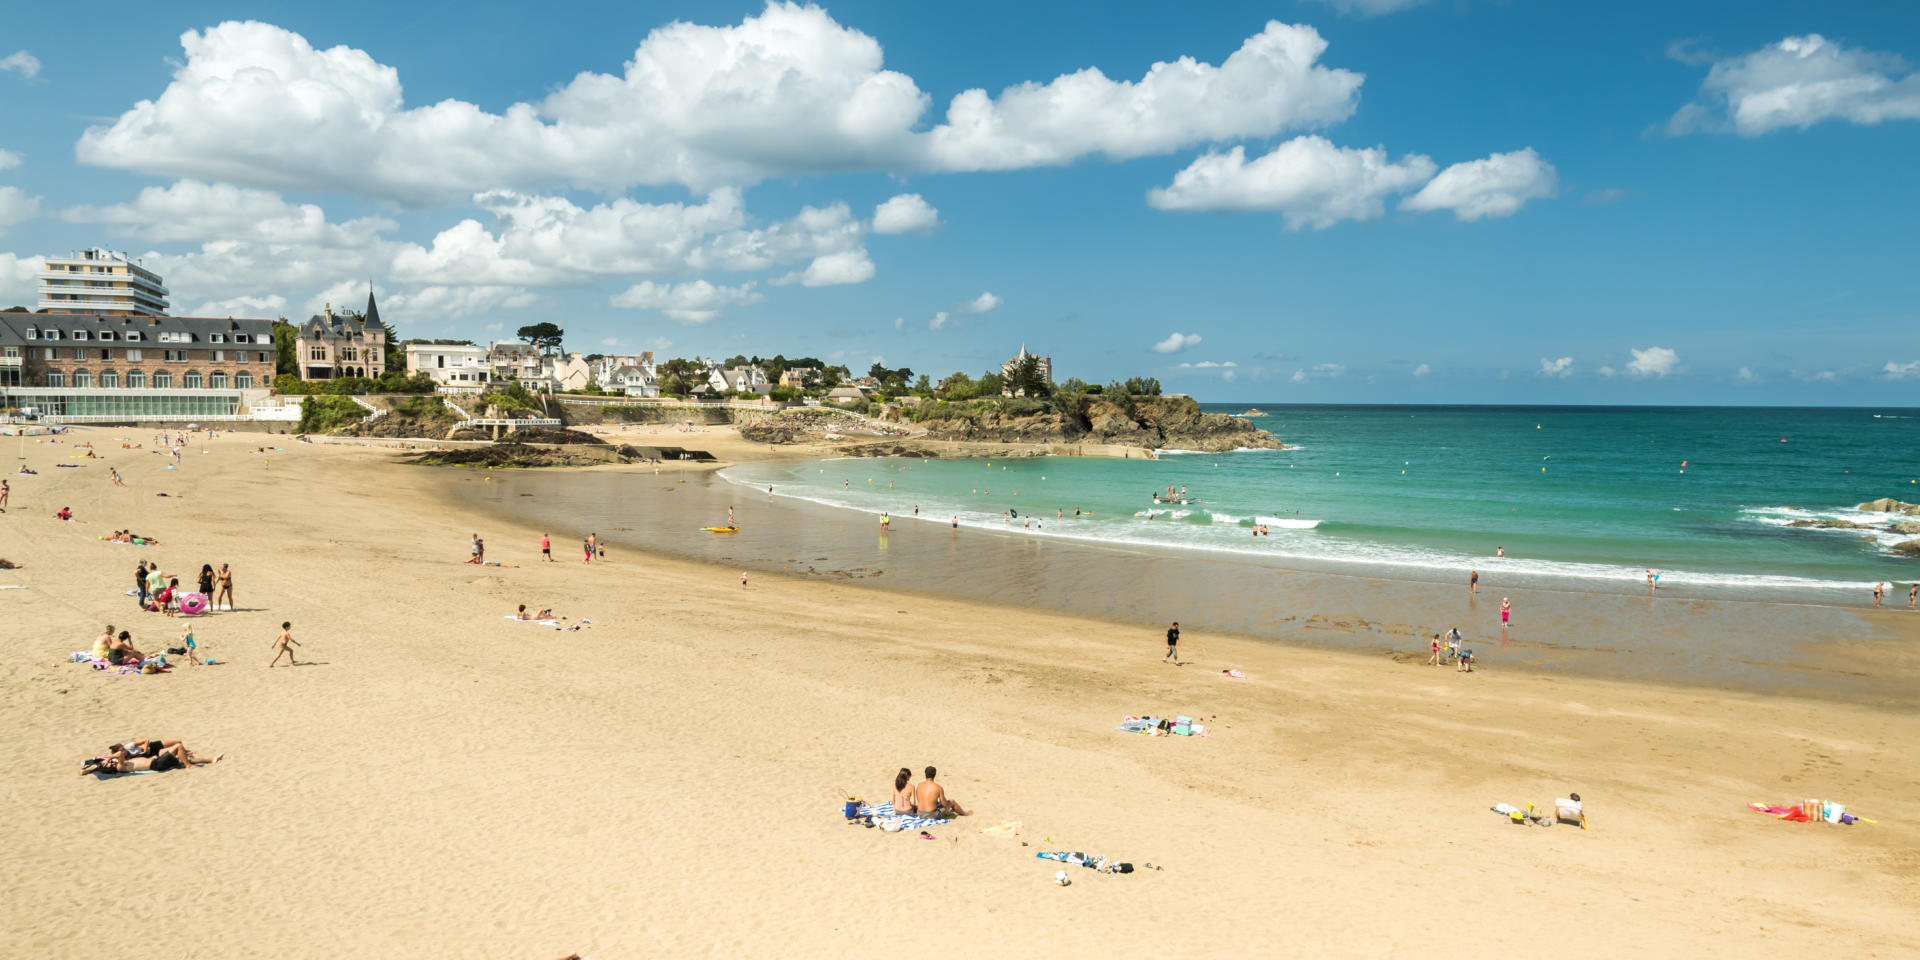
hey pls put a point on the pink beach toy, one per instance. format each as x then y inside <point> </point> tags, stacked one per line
<point>193,604</point>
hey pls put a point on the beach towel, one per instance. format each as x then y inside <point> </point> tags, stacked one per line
<point>104,775</point>
<point>544,623</point>
<point>1009,829</point>
<point>884,811</point>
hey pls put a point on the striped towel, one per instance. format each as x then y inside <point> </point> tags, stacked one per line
<point>884,811</point>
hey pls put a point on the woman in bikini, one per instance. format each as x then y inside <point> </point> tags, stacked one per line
<point>903,793</point>
<point>225,579</point>
<point>206,579</point>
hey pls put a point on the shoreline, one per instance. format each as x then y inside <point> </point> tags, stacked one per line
<point>444,782</point>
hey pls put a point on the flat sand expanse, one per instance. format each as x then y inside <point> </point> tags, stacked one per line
<point>436,781</point>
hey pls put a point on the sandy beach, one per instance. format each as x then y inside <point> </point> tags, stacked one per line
<point>437,781</point>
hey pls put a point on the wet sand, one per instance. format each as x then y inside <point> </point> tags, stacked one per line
<point>1809,649</point>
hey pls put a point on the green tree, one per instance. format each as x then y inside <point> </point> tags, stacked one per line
<point>990,384</point>
<point>1143,386</point>
<point>1027,381</point>
<point>284,362</point>
<point>543,335</point>
<point>923,386</point>
<point>15,309</point>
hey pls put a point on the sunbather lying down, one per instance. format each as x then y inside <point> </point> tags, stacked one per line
<point>158,759</point>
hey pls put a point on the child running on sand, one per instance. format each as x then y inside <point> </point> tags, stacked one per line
<point>193,649</point>
<point>284,643</point>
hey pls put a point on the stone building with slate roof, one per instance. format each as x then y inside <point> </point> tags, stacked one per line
<point>330,346</point>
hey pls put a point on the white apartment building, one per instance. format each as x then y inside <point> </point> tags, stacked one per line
<point>457,368</point>
<point>632,375</point>
<point>99,282</point>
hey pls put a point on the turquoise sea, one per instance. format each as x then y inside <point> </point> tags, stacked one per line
<point>1579,497</point>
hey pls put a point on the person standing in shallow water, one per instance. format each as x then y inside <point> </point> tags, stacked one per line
<point>1506,612</point>
<point>1473,581</point>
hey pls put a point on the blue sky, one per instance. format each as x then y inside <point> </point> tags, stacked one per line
<point>1326,200</point>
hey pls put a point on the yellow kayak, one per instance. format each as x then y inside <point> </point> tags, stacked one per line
<point>721,529</point>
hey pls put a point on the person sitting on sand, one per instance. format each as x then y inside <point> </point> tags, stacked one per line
<point>1570,810</point>
<point>522,614</point>
<point>903,792</point>
<point>120,650</point>
<point>176,757</point>
<point>931,800</point>
<point>6,564</point>
<point>65,513</point>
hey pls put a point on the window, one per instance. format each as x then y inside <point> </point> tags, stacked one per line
<point>219,356</point>
<point>109,378</point>
<point>176,356</point>
<point>136,380</point>
<point>106,353</point>
<point>13,351</point>
<point>218,380</point>
<point>349,354</point>
<point>51,335</point>
<point>133,355</point>
<point>162,379</point>
<point>442,358</point>
<point>317,353</point>
<point>106,334</point>
<point>79,335</point>
<point>134,335</point>
<point>33,333</point>
<point>243,380</point>
<point>82,378</point>
<point>217,337</point>
<point>191,380</point>
<point>263,358</point>
<point>54,378</point>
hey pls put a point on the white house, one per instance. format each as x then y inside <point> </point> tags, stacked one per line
<point>455,368</point>
<point>507,360</point>
<point>632,375</point>
<point>737,379</point>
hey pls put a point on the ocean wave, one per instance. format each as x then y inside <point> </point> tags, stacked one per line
<point>1290,523</point>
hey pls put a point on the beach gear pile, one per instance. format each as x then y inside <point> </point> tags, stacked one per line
<point>1811,811</point>
<point>1164,727</point>
<point>1092,861</point>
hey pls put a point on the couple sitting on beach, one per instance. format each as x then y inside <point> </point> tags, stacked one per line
<point>924,799</point>
<point>156,755</point>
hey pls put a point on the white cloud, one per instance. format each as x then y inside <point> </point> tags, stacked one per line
<point>1561,368</point>
<point>1608,371</point>
<point>1748,376</point>
<point>1653,362</point>
<point>1799,82</point>
<point>1371,8</point>
<point>17,280</point>
<point>1497,186</point>
<point>16,207</point>
<point>1422,370</point>
<point>1207,365</point>
<point>694,302</point>
<point>939,321</point>
<point>899,323</point>
<point>270,305</point>
<point>191,210</point>
<point>9,159</point>
<point>982,303</point>
<point>1319,371</point>
<point>543,240</point>
<point>1822,376</point>
<point>789,91</point>
<point>453,303</point>
<point>1177,342</point>
<point>22,63</point>
<point>849,266</point>
<point>1900,371</point>
<point>906,213</point>
<point>1308,180</point>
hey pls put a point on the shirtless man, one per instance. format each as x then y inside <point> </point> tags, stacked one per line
<point>1879,590</point>
<point>931,800</point>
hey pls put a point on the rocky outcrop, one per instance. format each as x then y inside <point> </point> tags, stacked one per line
<point>522,455</point>
<point>1906,526</point>
<point>1153,423</point>
<point>1907,548</point>
<point>1255,412</point>
<point>1830,524</point>
<point>1890,505</point>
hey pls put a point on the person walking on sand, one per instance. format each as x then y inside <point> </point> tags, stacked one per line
<point>546,548</point>
<point>474,550</point>
<point>1173,644</point>
<point>1913,596</point>
<point>284,643</point>
<point>4,491</point>
<point>140,583</point>
<point>1434,660</point>
<point>1506,612</point>
<point>1879,590</point>
<point>193,649</point>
